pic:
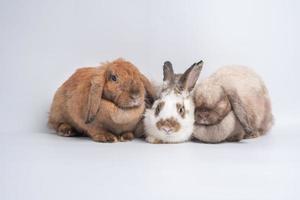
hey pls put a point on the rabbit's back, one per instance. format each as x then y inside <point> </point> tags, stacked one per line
<point>246,87</point>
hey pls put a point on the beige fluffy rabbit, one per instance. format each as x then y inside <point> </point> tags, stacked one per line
<point>230,105</point>
<point>106,103</point>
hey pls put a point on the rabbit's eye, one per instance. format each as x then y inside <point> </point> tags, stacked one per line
<point>158,108</point>
<point>113,77</point>
<point>180,109</point>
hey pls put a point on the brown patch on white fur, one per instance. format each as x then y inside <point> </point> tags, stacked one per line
<point>180,109</point>
<point>170,123</point>
<point>159,107</point>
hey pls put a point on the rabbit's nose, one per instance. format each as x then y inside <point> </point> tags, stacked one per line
<point>135,96</point>
<point>167,129</point>
<point>169,125</point>
<point>201,115</point>
<point>134,93</point>
<point>198,115</point>
<point>206,114</point>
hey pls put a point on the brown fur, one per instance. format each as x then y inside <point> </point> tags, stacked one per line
<point>159,108</point>
<point>126,136</point>
<point>91,102</point>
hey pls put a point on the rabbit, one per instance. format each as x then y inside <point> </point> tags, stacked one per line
<point>171,118</point>
<point>105,103</point>
<point>231,105</point>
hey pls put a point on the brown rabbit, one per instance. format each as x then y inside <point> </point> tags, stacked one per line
<point>106,103</point>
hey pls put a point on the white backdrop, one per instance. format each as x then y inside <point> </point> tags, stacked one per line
<point>43,42</point>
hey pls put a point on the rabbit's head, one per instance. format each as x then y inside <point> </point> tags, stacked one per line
<point>120,83</point>
<point>211,103</point>
<point>171,117</point>
<point>124,84</point>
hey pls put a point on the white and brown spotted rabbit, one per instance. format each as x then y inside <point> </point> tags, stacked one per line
<point>171,118</point>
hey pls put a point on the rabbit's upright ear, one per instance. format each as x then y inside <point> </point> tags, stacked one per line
<point>169,76</point>
<point>150,96</point>
<point>188,80</point>
<point>94,98</point>
<point>242,111</point>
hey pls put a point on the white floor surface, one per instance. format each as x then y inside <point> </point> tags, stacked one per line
<point>42,166</point>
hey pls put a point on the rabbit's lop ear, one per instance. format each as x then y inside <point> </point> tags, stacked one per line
<point>188,80</point>
<point>94,98</point>
<point>243,112</point>
<point>150,91</point>
<point>169,76</point>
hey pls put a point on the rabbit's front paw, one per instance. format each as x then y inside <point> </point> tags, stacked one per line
<point>65,130</point>
<point>126,136</point>
<point>235,138</point>
<point>104,137</point>
<point>252,134</point>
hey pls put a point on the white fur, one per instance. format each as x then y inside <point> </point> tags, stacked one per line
<point>169,110</point>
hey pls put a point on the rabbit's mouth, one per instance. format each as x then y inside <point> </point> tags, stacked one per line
<point>206,122</point>
<point>128,102</point>
<point>203,123</point>
<point>167,131</point>
<point>131,104</point>
<point>135,103</point>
